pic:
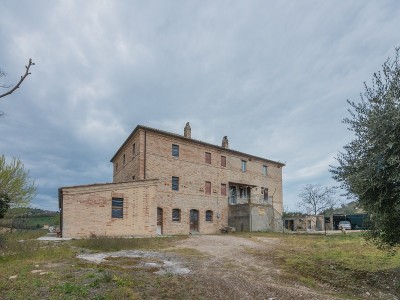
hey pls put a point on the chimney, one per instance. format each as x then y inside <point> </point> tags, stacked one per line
<point>225,143</point>
<point>187,132</point>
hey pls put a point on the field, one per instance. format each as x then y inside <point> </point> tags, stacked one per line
<point>233,266</point>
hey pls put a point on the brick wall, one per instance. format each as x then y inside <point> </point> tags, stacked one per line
<point>86,210</point>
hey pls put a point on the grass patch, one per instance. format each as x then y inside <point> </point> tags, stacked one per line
<point>345,262</point>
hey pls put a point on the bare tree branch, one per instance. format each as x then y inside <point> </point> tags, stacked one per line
<point>21,80</point>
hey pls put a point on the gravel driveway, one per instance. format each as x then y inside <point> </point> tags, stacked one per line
<point>232,268</point>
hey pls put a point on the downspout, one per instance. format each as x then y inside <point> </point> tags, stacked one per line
<point>144,162</point>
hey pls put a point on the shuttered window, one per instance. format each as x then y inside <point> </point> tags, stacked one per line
<point>208,158</point>
<point>223,189</point>
<point>223,161</point>
<point>207,188</point>
<point>175,183</point>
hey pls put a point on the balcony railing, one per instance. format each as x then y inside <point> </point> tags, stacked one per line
<point>235,200</point>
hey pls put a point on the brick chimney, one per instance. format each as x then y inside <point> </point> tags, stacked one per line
<point>187,132</point>
<point>225,143</point>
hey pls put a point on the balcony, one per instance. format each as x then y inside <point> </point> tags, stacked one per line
<point>236,200</point>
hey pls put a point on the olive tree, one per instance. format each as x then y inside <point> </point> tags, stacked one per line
<point>369,166</point>
<point>16,187</point>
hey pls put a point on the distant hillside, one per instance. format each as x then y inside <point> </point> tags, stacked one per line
<point>30,218</point>
<point>348,209</point>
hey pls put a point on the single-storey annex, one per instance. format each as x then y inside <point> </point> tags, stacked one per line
<point>165,183</point>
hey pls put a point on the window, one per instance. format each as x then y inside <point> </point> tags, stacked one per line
<point>123,159</point>
<point>244,166</point>
<point>223,161</point>
<point>265,170</point>
<point>209,215</point>
<point>175,183</point>
<point>117,207</point>
<point>176,215</point>
<point>223,189</point>
<point>116,167</point>
<point>208,158</point>
<point>134,149</point>
<point>208,188</point>
<point>175,150</point>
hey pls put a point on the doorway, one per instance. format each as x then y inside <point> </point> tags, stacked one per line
<point>194,220</point>
<point>159,221</point>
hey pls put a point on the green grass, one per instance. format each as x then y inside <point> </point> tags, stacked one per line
<point>346,262</point>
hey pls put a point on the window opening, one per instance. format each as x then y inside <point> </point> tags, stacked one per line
<point>208,188</point>
<point>208,158</point>
<point>209,216</point>
<point>176,215</point>
<point>223,161</point>
<point>244,166</point>
<point>223,189</point>
<point>175,183</point>
<point>117,207</point>
<point>175,150</point>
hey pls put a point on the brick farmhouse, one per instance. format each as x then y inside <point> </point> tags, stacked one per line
<point>166,183</point>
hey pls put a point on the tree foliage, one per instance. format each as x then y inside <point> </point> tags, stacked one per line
<point>16,187</point>
<point>369,166</point>
<point>317,198</point>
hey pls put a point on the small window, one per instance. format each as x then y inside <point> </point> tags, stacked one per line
<point>175,150</point>
<point>208,158</point>
<point>116,167</point>
<point>176,215</point>
<point>265,170</point>
<point>208,188</point>
<point>175,183</point>
<point>244,166</point>
<point>223,189</point>
<point>117,207</point>
<point>123,159</point>
<point>209,216</point>
<point>223,161</point>
<point>134,149</point>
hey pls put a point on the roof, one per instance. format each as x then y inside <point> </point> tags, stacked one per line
<point>181,137</point>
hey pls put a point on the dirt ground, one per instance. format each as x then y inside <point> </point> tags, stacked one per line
<point>232,271</point>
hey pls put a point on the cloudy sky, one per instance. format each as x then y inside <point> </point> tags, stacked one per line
<point>273,76</point>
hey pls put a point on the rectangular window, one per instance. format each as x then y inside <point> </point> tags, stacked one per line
<point>134,148</point>
<point>265,170</point>
<point>208,158</point>
<point>223,161</point>
<point>244,166</point>
<point>175,183</point>
<point>117,207</point>
<point>116,167</point>
<point>209,215</point>
<point>123,159</point>
<point>176,215</point>
<point>223,189</point>
<point>207,189</point>
<point>175,150</point>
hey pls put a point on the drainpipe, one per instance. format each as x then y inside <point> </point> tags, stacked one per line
<point>144,162</point>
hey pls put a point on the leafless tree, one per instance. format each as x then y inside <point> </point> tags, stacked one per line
<point>316,198</point>
<point>30,63</point>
